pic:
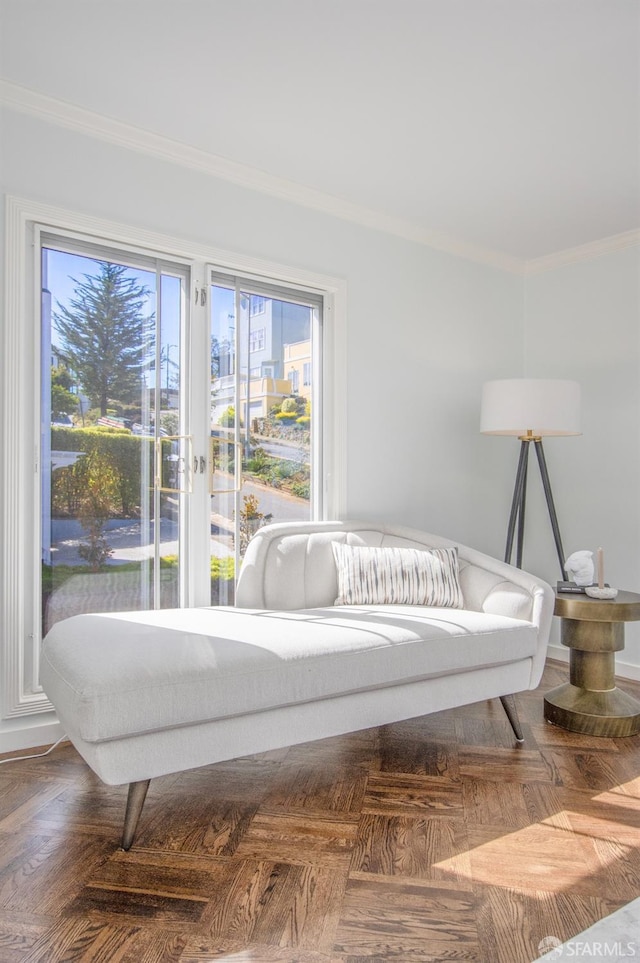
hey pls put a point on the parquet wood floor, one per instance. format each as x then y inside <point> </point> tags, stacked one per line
<point>429,840</point>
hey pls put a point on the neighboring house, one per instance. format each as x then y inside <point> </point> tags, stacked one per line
<point>263,394</point>
<point>297,367</point>
<point>272,325</point>
<point>279,349</point>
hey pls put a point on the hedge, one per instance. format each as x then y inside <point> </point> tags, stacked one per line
<point>119,450</point>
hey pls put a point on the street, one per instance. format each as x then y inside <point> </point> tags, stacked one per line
<point>125,536</point>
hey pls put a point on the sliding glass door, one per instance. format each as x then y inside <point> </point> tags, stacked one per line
<point>115,446</point>
<point>144,449</point>
<point>265,401</point>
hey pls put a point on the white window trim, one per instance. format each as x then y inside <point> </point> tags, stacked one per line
<point>22,695</point>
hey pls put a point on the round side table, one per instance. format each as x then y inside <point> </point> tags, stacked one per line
<point>593,630</point>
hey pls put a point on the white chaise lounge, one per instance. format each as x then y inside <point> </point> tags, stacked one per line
<point>142,694</point>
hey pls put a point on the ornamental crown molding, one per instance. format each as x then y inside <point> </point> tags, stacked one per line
<point>131,137</point>
<point>583,252</point>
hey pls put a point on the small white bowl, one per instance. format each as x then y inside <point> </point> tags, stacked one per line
<point>600,593</point>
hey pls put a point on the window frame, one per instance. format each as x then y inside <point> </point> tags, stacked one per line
<point>22,695</point>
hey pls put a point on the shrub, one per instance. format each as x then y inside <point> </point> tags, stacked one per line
<point>121,451</point>
<point>112,430</point>
<point>251,519</point>
<point>96,506</point>
<point>301,489</point>
<point>284,469</point>
<point>228,418</point>
<point>258,461</point>
<point>223,567</point>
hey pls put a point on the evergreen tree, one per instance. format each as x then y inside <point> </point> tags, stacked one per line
<point>105,334</point>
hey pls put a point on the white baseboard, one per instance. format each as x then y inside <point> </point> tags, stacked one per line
<point>558,653</point>
<point>624,670</point>
<point>30,737</point>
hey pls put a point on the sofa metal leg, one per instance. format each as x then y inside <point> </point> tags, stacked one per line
<point>135,802</point>
<point>509,706</point>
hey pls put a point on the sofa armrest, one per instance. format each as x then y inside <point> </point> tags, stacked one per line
<point>495,587</point>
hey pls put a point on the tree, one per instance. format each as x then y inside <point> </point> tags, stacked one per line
<point>105,334</point>
<point>63,401</point>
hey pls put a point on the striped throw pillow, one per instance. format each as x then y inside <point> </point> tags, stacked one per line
<point>397,576</point>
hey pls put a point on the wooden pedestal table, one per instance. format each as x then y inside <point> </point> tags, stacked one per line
<point>593,630</point>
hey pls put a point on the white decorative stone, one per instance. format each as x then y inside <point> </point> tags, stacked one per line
<point>601,593</point>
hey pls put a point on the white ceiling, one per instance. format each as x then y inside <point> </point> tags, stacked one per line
<point>512,125</point>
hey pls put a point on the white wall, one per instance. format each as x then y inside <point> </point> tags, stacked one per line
<point>424,329</point>
<point>582,321</point>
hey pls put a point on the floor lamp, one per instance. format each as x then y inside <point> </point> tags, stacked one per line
<point>530,408</point>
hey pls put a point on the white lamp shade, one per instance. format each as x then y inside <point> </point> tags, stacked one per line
<point>516,406</point>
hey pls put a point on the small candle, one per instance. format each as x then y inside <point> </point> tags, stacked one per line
<point>600,568</point>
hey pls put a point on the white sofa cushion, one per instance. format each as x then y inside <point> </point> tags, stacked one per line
<point>397,576</point>
<point>188,666</point>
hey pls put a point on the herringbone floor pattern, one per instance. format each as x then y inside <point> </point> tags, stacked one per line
<point>430,840</point>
